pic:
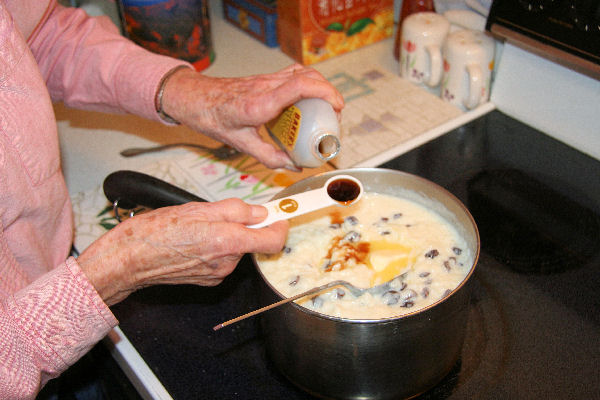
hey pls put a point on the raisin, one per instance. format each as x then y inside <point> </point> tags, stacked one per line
<point>457,250</point>
<point>351,220</point>
<point>397,215</point>
<point>352,237</point>
<point>432,253</point>
<point>384,233</point>
<point>404,298</point>
<point>447,266</point>
<point>391,297</point>
<point>335,226</point>
<point>287,250</point>
<point>384,219</point>
<point>449,263</point>
<point>294,281</point>
<point>425,292</point>
<point>424,274</point>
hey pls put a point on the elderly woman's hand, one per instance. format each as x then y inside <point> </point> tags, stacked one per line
<point>232,109</point>
<point>195,243</point>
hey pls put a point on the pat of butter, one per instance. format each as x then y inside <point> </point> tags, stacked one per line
<point>388,260</point>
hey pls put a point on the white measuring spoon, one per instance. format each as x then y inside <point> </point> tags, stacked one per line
<point>338,190</point>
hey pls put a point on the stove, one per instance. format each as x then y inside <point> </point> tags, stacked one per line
<point>534,316</point>
<point>565,31</point>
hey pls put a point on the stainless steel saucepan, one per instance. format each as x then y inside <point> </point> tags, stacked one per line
<point>393,358</point>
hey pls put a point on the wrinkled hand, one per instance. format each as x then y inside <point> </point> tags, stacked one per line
<point>195,243</point>
<point>232,110</point>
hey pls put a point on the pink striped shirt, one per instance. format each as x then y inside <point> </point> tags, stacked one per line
<point>50,314</point>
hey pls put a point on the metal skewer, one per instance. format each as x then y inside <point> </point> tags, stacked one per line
<point>279,303</point>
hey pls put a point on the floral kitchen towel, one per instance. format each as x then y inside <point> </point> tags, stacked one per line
<point>205,177</point>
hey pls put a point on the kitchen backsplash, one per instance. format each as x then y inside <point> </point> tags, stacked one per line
<point>553,99</point>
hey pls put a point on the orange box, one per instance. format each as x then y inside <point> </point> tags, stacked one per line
<point>314,30</point>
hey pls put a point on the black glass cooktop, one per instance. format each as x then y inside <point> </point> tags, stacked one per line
<point>534,317</point>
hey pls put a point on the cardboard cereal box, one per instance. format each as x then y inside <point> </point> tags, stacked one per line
<point>314,30</point>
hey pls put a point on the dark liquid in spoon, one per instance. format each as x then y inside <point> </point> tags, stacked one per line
<point>343,191</point>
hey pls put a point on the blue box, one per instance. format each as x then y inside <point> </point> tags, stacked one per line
<point>258,18</point>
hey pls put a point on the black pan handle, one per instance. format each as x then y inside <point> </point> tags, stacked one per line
<point>133,189</point>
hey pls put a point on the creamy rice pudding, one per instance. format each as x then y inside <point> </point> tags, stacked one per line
<point>370,242</point>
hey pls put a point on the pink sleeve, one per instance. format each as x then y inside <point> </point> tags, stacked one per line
<point>46,327</point>
<point>87,64</point>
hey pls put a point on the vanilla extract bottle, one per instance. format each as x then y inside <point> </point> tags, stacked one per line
<point>308,131</point>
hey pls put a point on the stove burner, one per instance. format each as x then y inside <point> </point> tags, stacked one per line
<point>528,225</point>
<point>485,349</point>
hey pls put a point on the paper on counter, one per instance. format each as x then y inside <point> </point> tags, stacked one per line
<point>382,111</point>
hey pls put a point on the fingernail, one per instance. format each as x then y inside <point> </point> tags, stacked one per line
<point>258,211</point>
<point>292,167</point>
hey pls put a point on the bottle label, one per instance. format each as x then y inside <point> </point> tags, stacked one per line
<point>285,128</point>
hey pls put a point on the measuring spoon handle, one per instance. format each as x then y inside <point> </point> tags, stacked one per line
<point>295,205</point>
